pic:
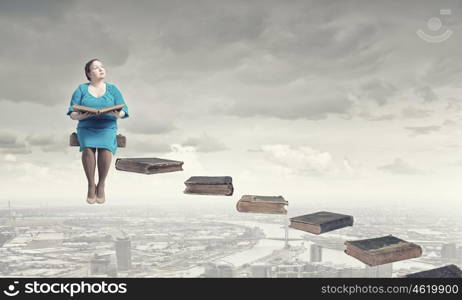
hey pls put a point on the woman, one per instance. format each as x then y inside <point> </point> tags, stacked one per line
<point>97,131</point>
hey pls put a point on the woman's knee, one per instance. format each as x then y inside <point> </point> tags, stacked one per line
<point>104,150</point>
<point>89,150</point>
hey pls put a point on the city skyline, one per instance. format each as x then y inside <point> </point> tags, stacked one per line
<point>161,243</point>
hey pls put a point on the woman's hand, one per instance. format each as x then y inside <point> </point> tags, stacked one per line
<point>85,115</point>
<point>117,114</point>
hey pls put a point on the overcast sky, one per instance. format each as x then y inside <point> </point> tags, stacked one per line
<point>322,102</point>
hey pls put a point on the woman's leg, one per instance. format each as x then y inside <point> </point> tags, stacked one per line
<point>104,162</point>
<point>89,165</point>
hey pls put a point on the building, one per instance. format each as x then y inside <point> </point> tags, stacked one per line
<point>225,271</point>
<point>289,271</point>
<point>123,253</point>
<point>315,253</point>
<point>46,240</point>
<point>449,251</point>
<point>219,270</point>
<point>380,271</point>
<point>210,271</point>
<point>100,264</point>
<point>351,273</point>
<point>260,271</point>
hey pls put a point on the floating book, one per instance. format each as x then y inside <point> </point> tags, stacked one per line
<point>262,204</point>
<point>209,185</point>
<point>449,271</point>
<point>382,250</point>
<point>321,222</point>
<point>148,165</point>
<point>121,140</point>
<point>97,111</point>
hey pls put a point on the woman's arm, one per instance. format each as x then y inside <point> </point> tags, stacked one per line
<point>79,116</point>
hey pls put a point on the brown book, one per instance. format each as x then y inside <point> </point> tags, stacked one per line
<point>148,165</point>
<point>382,250</point>
<point>209,185</point>
<point>97,111</point>
<point>321,222</point>
<point>449,271</point>
<point>262,204</point>
<point>121,140</point>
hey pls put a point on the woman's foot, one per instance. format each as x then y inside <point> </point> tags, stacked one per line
<point>91,194</point>
<point>100,196</point>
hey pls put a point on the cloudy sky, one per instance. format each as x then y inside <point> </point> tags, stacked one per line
<point>323,102</point>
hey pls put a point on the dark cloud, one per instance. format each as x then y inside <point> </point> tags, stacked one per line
<point>48,142</point>
<point>369,117</point>
<point>45,9</point>
<point>400,167</point>
<point>61,148</point>
<point>205,143</point>
<point>40,139</point>
<point>288,104</point>
<point>415,113</point>
<point>456,107</point>
<point>17,150</point>
<point>422,130</point>
<point>7,139</point>
<point>450,123</point>
<point>377,91</point>
<point>10,143</point>
<point>444,71</point>
<point>291,61</point>
<point>144,144</point>
<point>149,126</point>
<point>259,150</point>
<point>426,93</point>
<point>38,48</point>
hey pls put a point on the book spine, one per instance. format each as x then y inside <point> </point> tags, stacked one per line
<point>204,189</point>
<point>384,258</point>
<point>337,224</point>
<point>264,208</point>
<point>305,227</point>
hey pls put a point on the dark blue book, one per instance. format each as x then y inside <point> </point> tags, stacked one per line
<point>321,222</point>
<point>449,271</point>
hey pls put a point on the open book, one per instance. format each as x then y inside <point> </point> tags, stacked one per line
<point>97,111</point>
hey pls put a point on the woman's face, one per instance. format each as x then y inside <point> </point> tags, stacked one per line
<point>97,70</point>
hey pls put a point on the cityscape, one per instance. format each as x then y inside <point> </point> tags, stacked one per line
<point>145,241</point>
